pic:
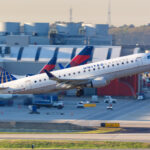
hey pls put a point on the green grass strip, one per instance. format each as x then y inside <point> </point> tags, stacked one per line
<point>53,144</point>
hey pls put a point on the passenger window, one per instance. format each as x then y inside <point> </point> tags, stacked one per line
<point>64,75</point>
<point>78,71</point>
<point>35,81</point>
<point>74,73</point>
<point>94,69</point>
<point>44,79</point>
<point>148,57</point>
<point>69,74</point>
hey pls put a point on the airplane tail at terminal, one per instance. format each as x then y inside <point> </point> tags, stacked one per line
<point>51,64</point>
<point>82,58</point>
<point>73,53</point>
<point>6,76</point>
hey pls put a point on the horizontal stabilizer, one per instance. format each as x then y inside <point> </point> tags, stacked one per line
<point>3,88</point>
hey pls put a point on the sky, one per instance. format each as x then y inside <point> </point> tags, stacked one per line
<point>135,12</point>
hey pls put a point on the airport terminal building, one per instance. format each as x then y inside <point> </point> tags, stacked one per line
<point>15,33</point>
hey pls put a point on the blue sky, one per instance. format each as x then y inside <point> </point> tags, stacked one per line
<point>89,11</point>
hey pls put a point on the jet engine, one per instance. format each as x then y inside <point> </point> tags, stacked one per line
<point>98,82</point>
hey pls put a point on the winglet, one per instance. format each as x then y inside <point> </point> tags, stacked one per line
<point>50,75</point>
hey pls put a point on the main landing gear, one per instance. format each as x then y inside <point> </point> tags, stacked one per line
<point>80,92</point>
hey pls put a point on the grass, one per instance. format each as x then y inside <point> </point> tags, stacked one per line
<point>53,144</point>
<point>97,131</point>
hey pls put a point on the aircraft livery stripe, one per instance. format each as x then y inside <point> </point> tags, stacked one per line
<point>2,78</point>
<point>73,52</point>
<point>20,53</point>
<point>6,77</point>
<point>38,53</point>
<point>48,68</point>
<point>109,53</point>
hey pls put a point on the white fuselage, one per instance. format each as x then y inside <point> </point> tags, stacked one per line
<point>108,69</point>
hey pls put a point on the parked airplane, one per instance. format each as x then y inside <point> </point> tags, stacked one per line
<point>82,58</point>
<point>95,75</point>
<point>51,64</point>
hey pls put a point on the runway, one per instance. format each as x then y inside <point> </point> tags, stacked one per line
<point>133,137</point>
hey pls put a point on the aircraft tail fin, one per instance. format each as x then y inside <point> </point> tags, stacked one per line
<point>82,58</point>
<point>6,76</point>
<point>73,53</point>
<point>52,63</point>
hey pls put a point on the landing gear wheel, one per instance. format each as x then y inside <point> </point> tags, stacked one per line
<point>80,92</point>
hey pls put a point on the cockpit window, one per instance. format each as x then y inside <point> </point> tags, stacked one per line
<point>148,57</point>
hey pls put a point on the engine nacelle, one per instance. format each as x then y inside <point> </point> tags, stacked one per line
<point>98,82</point>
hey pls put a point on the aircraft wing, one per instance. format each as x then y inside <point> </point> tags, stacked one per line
<point>73,82</point>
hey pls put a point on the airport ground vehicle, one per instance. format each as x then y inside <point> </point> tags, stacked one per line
<point>58,104</point>
<point>140,96</point>
<point>109,106</point>
<point>80,104</point>
<point>109,99</point>
<point>47,101</point>
<point>94,99</point>
<point>39,103</point>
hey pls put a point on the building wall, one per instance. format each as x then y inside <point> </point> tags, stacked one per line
<point>127,86</point>
<point>17,40</point>
<point>12,28</point>
<point>39,40</point>
<point>65,34</point>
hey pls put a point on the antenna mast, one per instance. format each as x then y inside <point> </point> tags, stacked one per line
<point>109,13</point>
<point>70,14</point>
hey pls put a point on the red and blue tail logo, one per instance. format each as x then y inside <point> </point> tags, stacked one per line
<point>82,58</point>
<point>51,64</point>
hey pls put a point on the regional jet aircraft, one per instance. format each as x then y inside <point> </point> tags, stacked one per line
<point>95,75</point>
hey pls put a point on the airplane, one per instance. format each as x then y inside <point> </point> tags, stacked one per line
<point>51,64</point>
<point>82,58</point>
<point>92,75</point>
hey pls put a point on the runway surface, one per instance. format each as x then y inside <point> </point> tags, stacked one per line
<point>136,137</point>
